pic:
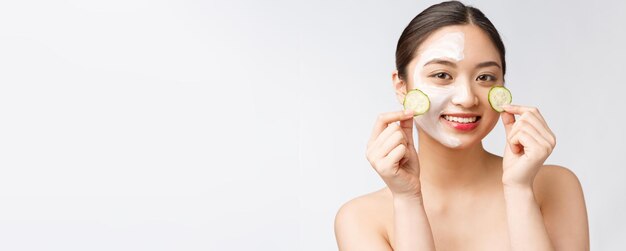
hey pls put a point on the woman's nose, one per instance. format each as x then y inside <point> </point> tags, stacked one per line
<point>464,96</point>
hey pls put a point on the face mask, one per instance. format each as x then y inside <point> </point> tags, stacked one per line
<point>450,47</point>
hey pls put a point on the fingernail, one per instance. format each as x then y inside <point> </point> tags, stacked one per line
<point>408,112</point>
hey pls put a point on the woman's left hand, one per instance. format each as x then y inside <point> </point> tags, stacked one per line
<point>529,143</point>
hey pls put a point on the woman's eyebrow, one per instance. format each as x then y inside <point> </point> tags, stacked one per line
<point>440,61</point>
<point>487,64</point>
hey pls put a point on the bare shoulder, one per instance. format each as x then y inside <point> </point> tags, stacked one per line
<point>365,209</point>
<point>560,196</point>
<point>554,180</point>
<point>363,218</point>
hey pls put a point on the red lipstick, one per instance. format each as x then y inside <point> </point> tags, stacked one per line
<point>459,126</point>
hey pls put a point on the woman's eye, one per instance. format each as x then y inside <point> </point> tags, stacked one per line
<point>442,75</point>
<point>486,77</point>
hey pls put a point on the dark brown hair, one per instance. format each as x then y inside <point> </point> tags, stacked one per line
<point>438,16</point>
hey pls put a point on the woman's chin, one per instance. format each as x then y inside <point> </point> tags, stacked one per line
<point>453,139</point>
<point>461,145</point>
<point>460,136</point>
<point>460,141</point>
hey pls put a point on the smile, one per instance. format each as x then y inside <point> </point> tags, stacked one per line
<point>461,122</point>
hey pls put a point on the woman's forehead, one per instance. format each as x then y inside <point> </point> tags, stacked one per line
<point>476,45</point>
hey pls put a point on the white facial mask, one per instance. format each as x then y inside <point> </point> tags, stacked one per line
<point>449,46</point>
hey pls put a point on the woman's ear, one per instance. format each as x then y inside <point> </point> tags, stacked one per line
<point>399,85</point>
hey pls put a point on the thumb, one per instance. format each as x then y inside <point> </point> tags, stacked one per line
<point>407,128</point>
<point>508,119</point>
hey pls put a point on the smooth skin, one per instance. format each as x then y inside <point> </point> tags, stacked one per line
<point>465,198</point>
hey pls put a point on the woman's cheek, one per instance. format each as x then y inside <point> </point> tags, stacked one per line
<point>440,97</point>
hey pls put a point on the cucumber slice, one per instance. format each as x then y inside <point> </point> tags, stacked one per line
<point>417,101</point>
<point>498,96</point>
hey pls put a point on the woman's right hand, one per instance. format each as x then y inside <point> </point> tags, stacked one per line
<point>391,152</point>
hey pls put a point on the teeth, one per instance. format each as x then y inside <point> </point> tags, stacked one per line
<point>459,119</point>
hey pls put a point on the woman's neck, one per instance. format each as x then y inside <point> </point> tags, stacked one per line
<point>447,168</point>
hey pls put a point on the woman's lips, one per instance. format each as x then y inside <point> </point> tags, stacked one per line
<point>463,123</point>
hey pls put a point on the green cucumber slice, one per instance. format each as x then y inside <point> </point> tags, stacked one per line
<point>498,96</point>
<point>417,101</point>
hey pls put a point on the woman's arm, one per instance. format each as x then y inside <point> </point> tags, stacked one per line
<point>563,208</point>
<point>557,222</point>
<point>411,226</point>
<point>357,227</point>
<point>529,143</point>
<point>525,222</point>
<point>563,224</point>
<point>392,154</point>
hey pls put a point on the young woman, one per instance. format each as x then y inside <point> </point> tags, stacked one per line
<point>450,193</point>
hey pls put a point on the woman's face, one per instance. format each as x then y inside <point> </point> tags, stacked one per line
<point>456,66</point>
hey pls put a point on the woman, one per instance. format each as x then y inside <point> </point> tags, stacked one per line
<point>454,195</point>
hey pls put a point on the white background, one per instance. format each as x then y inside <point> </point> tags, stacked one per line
<point>241,125</point>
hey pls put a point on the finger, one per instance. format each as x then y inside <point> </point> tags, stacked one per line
<point>508,120</point>
<point>396,154</point>
<point>395,139</point>
<point>407,127</point>
<point>391,128</point>
<point>518,109</point>
<point>524,127</point>
<point>532,145</point>
<point>385,118</point>
<point>515,148</point>
<point>539,125</point>
<point>511,132</point>
<point>384,136</point>
<point>521,110</point>
<point>542,120</point>
<point>537,120</point>
<point>524,111</point>
<point>533,115</point>
<point>524,140</point>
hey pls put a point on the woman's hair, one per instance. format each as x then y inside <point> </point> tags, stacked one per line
<point>438,16</point>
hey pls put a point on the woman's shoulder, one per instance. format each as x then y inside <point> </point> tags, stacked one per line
<point>562,205</point>
<point>366,212</point>
<point>370,199</point>
<point>367,204</point>
<point>555,171</point>
<point>553,181</point>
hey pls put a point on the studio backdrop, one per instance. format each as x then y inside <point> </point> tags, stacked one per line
<point>242,125</point>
